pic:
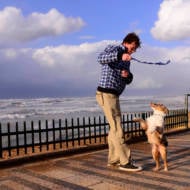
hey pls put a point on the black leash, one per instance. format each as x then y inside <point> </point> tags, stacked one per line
<point>155,63</point>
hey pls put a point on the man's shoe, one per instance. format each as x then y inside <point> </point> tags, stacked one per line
<point>113,164</point>
<point>130,167</point>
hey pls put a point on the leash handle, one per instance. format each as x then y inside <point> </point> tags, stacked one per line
<point>151,63</point>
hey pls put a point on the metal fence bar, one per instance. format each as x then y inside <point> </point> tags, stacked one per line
<point>186,107</point>
<point>25,138</point>
<point>47,136</point>
<point>17,139</point>
<point>84,131</point>
<point>40,135</point>
<point>32,131</point>
<point>99,127</point>
<point>9,139</point>
<point>60,134</point>
<point>1,151</point>
<point>66,133</point>
<point>53,123</point>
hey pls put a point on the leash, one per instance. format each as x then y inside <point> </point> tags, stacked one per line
<point>151,63</point>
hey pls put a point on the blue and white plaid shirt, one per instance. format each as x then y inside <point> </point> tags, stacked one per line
<point>111,68</point>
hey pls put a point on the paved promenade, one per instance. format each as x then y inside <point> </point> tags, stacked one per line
<point>89,171</point>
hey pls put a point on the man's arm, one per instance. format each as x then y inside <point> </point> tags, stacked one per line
<point>109,55</point>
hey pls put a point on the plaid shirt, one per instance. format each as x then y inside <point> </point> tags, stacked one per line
<point>111,68</point>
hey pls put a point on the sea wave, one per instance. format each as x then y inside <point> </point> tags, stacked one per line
<point>44,108</point>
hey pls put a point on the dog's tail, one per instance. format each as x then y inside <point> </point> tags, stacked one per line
<point>142,122</point>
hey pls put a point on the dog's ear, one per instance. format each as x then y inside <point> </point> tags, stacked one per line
<point>166,110</point>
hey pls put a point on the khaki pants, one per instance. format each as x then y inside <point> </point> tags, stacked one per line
<point>118,150</point>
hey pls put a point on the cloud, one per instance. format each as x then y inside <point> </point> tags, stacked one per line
<point>148,83</point>
<point>67,57</point>
<point>173,21</point>
<point>15,27</point>
<point>73,69</point>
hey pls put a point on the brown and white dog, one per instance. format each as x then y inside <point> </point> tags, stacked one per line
<point>154,127</point>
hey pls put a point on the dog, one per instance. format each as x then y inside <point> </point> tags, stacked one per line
<point>154,127</point>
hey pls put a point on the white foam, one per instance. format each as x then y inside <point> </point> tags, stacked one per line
<point>75,107</point>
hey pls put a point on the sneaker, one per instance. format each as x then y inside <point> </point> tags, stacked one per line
<point>130,167</point>
<point>113,164</point>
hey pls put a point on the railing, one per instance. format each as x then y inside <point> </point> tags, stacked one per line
<point>31,138</point>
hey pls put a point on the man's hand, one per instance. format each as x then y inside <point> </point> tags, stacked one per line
<point>124,73</point>
<point>126,57</point>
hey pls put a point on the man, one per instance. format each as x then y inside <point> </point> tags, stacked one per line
<point>115,75</point>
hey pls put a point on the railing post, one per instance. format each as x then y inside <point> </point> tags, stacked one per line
<point>186,108</point>
<point>1,148</point>
<point>144,116</point>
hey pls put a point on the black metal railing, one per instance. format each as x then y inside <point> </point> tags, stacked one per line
<point>31,138</point>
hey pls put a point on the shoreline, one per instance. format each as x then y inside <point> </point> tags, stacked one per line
<point>55,108</point>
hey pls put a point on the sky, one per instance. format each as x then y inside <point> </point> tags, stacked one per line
<point>49,48</point>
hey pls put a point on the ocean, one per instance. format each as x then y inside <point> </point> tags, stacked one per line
<point>65,108</point>
<point>20,110</point>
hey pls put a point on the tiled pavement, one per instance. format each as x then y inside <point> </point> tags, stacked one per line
<point>89,171</point>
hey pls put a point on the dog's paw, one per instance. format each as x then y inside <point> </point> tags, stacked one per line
<point>156,169</point>
<point>136,119</point>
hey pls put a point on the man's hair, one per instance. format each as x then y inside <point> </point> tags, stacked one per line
<point>132,37</point>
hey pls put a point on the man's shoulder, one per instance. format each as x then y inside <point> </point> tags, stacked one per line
<point>114,47</point>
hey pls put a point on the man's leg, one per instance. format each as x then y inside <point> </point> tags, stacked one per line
<point>117,147</point>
